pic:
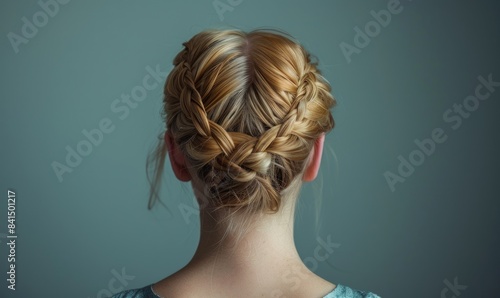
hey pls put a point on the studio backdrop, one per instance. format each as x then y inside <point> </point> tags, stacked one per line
<point>406,203</point>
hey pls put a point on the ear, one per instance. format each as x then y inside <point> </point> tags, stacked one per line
<point>312,168</point>
<point>177,159</point>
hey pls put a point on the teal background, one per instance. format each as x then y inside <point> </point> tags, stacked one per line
<point>441,223</point>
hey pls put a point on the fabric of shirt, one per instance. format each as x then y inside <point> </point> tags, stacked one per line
<point>340,291</point>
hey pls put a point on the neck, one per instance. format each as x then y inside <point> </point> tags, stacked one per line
<point>263,260</point>
<point>268,237</point>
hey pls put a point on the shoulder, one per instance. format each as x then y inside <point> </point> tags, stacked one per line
<point>342,291</point>
<point>144,292</point>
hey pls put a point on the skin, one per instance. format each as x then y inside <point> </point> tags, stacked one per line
<point>266,262</point>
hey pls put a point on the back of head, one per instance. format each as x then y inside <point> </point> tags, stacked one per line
<point>245,110</point>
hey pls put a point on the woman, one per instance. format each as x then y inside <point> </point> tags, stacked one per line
<point>246,117</point>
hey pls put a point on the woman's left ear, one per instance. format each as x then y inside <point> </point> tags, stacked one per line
<point>177,159</point>
<point>312,169</point>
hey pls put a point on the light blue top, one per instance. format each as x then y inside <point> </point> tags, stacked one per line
<point>340,291</point>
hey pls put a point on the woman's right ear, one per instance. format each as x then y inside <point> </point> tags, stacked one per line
<point>177,159</point>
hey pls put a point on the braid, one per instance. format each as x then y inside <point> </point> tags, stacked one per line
<point>243,162</point>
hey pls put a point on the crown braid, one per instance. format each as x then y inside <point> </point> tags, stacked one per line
<point>241,169</point>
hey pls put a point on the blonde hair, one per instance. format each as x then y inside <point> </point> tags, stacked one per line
<point>245,110</point>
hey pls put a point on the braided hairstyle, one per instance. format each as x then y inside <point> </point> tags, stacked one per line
<point>245,110</point>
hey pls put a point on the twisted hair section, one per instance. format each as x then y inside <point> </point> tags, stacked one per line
<point>245,110</point>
